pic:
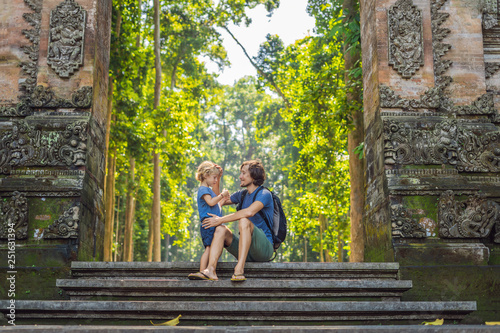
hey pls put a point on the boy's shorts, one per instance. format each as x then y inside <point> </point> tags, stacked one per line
<point>260,250</point>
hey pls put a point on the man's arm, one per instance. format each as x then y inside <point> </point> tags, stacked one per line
<point>227,201</point>
<point>244,213</point>
<point>216,187</point>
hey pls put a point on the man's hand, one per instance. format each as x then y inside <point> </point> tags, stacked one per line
<point>220,171</point>
<point>212,221</point>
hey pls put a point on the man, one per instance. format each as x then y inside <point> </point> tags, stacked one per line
<point>255,241</point>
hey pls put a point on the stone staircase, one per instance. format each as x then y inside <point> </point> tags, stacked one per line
<point>274,294</point>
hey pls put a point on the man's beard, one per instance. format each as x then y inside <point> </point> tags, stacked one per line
<point>245,185</point>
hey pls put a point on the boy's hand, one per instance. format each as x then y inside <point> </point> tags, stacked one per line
<point>225,193</point>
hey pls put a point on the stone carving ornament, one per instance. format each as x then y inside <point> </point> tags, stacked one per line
<point>474,218</point>
<point>406,43</point>
<point>491,68</point>
<point>436,98</point>
<point>403,225</point>
<point>66,38</point>
<point>26,145</point>
<point>14,214</point>
<point>445,142</point>
<point>490,14</point>
<point>66,225</point>
<point>30,68</point>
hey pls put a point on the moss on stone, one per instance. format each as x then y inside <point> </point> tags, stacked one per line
<point>457,283</point>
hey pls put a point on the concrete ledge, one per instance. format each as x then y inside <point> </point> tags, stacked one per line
<point>225,288</point>
<point>269,270</point>
<point>242,312</point>
<point>255,329</point>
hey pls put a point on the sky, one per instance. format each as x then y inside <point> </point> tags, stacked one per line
<point>290,21</point>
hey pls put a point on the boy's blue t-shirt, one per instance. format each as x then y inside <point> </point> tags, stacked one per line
<point>266,198</point>
<point>203,207</point>
<point>207,235</point>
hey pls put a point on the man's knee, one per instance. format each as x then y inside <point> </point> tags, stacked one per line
<point>245,224</point>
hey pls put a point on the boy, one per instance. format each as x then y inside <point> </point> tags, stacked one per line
<point>209,175</point>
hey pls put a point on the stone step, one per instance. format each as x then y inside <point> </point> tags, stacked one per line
<point>225,289</point>
<point>267,270</point>
<point>236,312</point>
<point>253,329</point>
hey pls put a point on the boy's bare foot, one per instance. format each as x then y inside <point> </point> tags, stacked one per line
<point>210,273</point>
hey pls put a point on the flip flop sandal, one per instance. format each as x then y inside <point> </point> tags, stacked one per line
<point>198,276</point>
<point>236,279</point>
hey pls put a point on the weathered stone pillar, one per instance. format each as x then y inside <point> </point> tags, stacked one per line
<point>431,89</point>
<point>54,57</point>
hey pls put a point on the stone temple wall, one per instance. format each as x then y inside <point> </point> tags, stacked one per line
<point>431,74</point>
<point>432,94</point>
<point>54,57</point>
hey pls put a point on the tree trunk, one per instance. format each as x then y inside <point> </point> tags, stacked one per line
<point>128,246</point>
<point>108,226</point>
<point>305,249</point>
<point>321,232</point>
<point>117,233</point>
<point>156,208</point>
<point>167,244</point>
<point>156,155</point>
<point>354,139</point>
<point>110,205</point>
<point>150,240</point>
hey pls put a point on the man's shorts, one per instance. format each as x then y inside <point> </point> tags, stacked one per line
<point>260,250</point>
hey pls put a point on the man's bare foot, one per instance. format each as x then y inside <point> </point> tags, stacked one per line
<point>210,273</point>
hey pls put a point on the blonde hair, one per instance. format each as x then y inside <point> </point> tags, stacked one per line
<point>206,169</point>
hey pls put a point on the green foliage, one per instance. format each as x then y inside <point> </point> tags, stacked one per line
<point>302,142</point>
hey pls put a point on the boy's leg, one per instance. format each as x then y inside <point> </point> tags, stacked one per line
<point>246,228</point>
<point>204,258</point>
<point>222,236</point>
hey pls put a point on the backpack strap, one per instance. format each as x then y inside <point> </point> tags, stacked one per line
<point>268,223</point>
<point>243,195</point>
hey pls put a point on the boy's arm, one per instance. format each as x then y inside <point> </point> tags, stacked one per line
<point>212,201</point>
<point>215,220</point>
<point>227,201</point>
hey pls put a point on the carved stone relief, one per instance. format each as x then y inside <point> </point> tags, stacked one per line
<point>14,215</point>
<point>41,97</point>
<point>66,38</point>
<point>445,142</point>
<point>440,48</point>
<point>490,14</point>
<point>491,68</point>
<point>474,218</point>
<point>26,145</point>
<point>45,98</point>
<point>433,98</point>
<point>34,96</point>
<point>436,98</point>
<point>403,225</point>
<point>406,42</point>
<point>30,68</point>
<point>66,225</point>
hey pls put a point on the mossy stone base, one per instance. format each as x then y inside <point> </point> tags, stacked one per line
<point>457,283</point>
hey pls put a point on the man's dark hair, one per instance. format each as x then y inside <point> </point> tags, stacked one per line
<point>256,170</point>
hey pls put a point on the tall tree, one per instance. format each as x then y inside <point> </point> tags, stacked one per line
<point>352,57</point>
<point>156,153</point>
